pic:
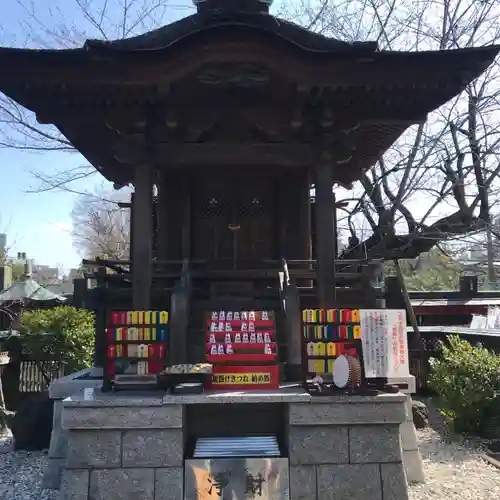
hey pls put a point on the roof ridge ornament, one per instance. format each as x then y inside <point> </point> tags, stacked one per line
<point>258,6</point>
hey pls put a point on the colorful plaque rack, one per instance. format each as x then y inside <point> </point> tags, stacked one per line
<point>136,342</point>
<point>329,333</point>
<point>241,346</point>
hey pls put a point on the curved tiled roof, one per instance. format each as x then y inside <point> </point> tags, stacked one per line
<point>212,19</point>
<point>397,87</point>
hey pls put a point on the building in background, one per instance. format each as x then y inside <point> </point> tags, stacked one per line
<point>3,244</point>
<point>52,278</point>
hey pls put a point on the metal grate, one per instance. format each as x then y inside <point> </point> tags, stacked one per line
<point>247,446</point>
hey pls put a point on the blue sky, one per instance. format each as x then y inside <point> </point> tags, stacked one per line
<point>40,223</point>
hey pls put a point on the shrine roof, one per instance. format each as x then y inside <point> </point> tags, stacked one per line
<point>161,38</point>
<point>87,91</point>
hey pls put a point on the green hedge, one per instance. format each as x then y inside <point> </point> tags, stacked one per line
<point>467,382</point>
<point>62,334</point>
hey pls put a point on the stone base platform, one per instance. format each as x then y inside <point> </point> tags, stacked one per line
<point>412,459</point>
<point>133,446</point>
<point>60,389</point>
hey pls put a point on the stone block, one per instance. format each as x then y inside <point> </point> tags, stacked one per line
<point>52,475</point>
<point>94,449</point>
<point>346,413</point>
<point>122,484</point>
<point>408,410</point>
<point>394,486</point>
<point>408,436</point>
<point>410,380</point>
<point>56,416</point>
<point>153,417</point>
<point>58,443</point>
<point>75,485</point>
<point>169,483</point>
<point>73,383</point>
<point>374,444</point>
<point>349,481</point>
<point>303,484</point>
<point>414,467</point>
<point>318,445</point>
<point>153,448</point>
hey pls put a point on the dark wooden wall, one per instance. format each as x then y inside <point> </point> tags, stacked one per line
<point>185,214</point>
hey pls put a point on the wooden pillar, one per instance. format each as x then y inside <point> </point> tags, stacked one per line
<point>282,206</point>
<point>305,218</point>
<point>142,250</point>
<point>186,218</point>
<point>325,241</point>
<point>162,214</point>
<point>131,233</point>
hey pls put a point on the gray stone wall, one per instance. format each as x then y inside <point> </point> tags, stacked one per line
<point>60,389</point>
<point>123,452</point>
<point>121,447</point>
<point>347,447</point>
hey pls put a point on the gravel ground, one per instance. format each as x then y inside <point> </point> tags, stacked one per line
<point>21,474</point>
<point>453,468</point>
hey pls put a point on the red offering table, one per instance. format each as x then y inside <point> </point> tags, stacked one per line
<point>241,346</point>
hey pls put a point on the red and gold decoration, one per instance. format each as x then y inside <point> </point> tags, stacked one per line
<point>136,342</point>
<point>329,334</point>
<point>242,347</point>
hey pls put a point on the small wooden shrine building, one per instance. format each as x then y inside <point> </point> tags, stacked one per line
<point>232,115</point>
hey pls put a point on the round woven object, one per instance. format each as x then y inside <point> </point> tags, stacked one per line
<point>346,372</point>
<point>355,372</point>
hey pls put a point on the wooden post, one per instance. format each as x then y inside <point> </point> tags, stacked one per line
<point>305,218</point>
<point>409,308</point>
<point>142,250</point>
<point>162,214</point>
<point>186,219</point>
<point>131,233</point>
<point>99,303</point>
<point>325,241</point>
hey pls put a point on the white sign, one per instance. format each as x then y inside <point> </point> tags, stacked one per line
<point>385,344</point>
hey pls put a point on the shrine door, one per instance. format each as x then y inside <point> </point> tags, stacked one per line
<point>233,221</point>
